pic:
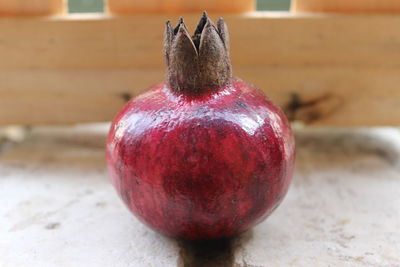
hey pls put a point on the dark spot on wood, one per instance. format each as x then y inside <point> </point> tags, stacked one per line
<point>126,96</point>
<point>292,107</point>
<point>310,110</point>
<point>52,226</point>
<point>215,253</point>
<point>312,116</point>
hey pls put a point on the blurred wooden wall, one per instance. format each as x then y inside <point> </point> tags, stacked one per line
<point>322,69</point>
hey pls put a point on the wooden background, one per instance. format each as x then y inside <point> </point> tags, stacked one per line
<point>334,69</point>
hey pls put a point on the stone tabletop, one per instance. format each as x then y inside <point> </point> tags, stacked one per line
<point>58,207</point>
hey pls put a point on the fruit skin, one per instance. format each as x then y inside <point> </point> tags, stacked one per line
<point>202,167</point>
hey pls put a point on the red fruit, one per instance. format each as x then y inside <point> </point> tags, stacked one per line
<point>203,155</point>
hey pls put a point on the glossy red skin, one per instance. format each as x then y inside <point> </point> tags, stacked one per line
<point>204,167</point>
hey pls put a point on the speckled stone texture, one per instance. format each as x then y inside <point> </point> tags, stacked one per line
<point>59,208</point>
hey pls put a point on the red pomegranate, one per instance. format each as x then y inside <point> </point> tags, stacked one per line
<point>202,155</point>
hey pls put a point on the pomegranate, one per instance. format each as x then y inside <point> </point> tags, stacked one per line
<point>202,155</point>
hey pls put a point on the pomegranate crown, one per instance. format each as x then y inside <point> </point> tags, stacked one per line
<point>197,63</point>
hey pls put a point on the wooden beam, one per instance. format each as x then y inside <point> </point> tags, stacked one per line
<point>323,70</point>
<point>179,6</point>
<point>257,39</point>
<point>346,6</point>
<point>31,7</point>
<point>317,96</point>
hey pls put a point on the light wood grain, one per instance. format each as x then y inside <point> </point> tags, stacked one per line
<point>318,68</point>
<point>327,96</point>
<point>31,7</point>
<point>346,6</point>
<point>176,6</point>
<point>257,39</point>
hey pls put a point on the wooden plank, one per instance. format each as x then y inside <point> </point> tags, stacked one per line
<point>258,39</point>
<point>346,6</point>
<point>324,70</point>
<point>175,6</point>
<point>318,96</point>
<point>31,7</point>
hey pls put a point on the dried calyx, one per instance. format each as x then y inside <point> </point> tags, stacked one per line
<point>199,63</point>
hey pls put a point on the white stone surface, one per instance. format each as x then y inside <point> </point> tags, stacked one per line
<point>59,209</point>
